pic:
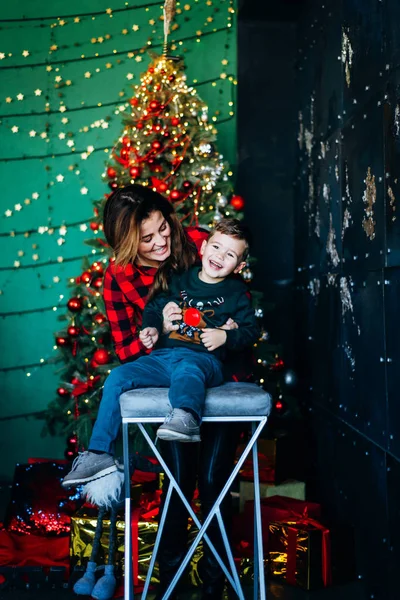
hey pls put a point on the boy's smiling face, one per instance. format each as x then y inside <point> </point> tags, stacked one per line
<point>221,256</point>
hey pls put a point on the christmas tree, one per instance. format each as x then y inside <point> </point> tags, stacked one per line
<point>168,144</point>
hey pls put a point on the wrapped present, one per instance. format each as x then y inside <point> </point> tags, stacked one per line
<point>277,508</point>
<point>39,504</point>
<point>290,489</point>
<point>279,459</point>
<point>299,553</point>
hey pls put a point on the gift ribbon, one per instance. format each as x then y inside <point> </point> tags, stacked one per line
<point>84,386</point>
<point>292,547</point>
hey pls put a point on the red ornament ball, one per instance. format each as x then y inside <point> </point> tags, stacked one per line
<point>62,341</point>
<point>135,172</point>
<point>73,331</point>
<point>113,185</point>
<point>94,226</point>
<point>62,392</point>
<point>151,69</point>
<point>139,125</point>
<point>86,276</point>
<point>237,202</point>
<point>111,172</point>
<point>154,105</point>
<point>171,77</point>
<point>97,267</point>
<point>126,140</point>
<point>99,318</point>
<point>75,381</point>
<point>156,145</point>
<point>192,317</point>
<point>156,127</point>
<point>162,186</point>
<point>134,101</point>
<point>75,304</point>
<point>187,184</point>
<point>124,152</point>
<point>101,356</point>
<point>98,282</point>
<point>175,121</point>
<point>72,441</point>
<point>70,454</point>
<point>175,195</point>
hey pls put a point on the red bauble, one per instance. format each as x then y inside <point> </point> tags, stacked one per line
<point>64,393</point>
<point>237,202</point>
<point>75,304</point>
<point>139,125</point>
<point>279,406</point>
<point>111,172</point>
<point>70,454</point>
<point>97,267</point>
<point>154,105</point>
<point>156,127</point>
<point>157,87</point>
<point>99,318</point>
<point>166,133</point>
<point>75,381</point>
<point>135,172</point>
<point>134,101</point>
<point>175,121</point>
<point>124,152</point>
<point>162,186</point>
<point>62,341</point>
<point>156,145</point>
<point>101,356</point>
<point>72,441</point>
<point>98,282</point>
<point>73,331</point>
<point>192,317</point>
<point>94,226</point>
<point>151,69</point>
<point>171,77</point>
<point>86,277</point>
<point>175,195</point>
<point>113,185</point>
<point>126,140</point>
<point>187,184</point>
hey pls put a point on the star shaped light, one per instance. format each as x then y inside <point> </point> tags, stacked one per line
<point>43,135</point>
<point>84,191</point>
<point>18,207</point>
<point>2,55</point>
<point>20,96</point>
<point>70,143</point>
<point>56,279</point>
<point>83,227</point>
<point>38,92</point>
<point>14,129</point>
<point>62,230</point>
<point>8,213</point>
<point>32,133</point>
<point>8,100</point>
<point>135,27</point>
<point>17,264</point>
<point>35,256</point>
<point>25,53</point>
<point>129,76</point>
<point>64,121</point>
<point>88,74</point>
<point>138,59</point>
<point>60,178</point>
<point>63,108</point>
<point>57,78</point>
<point>61,135</point>
<point>35,195</point>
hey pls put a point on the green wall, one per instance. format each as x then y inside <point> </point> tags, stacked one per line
<point>78,59</point>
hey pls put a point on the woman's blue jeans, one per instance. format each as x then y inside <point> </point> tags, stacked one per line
<point>187,373</point>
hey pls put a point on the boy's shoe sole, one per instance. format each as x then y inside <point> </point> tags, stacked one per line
<point>169,435</point>
<point>78,480</point>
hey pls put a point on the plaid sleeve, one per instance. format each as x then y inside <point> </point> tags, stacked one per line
<point>197,236</point>
<point>124,320</point>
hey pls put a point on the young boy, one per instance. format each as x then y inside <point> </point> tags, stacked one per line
<point>188,359</point>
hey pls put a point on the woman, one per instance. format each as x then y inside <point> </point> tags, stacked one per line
<point>149,242</point>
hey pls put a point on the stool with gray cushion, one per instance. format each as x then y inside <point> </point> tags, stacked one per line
<point>244,402</point>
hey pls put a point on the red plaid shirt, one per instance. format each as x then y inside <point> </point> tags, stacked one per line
<point>125,291</point>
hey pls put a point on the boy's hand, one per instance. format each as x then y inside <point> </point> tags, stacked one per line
<point>171,312</point>
<point>149,337</point>
<point>230,324</point>
<point>213,338</point>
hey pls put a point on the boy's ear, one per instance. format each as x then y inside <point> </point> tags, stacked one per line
<point>203,245</point>
<point>240,267</point>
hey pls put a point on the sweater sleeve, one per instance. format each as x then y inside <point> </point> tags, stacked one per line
<point>248,330</point>
<point>152,315</point>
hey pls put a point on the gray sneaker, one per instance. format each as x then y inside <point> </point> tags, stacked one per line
<point>88,466</point>
<point>179,426</point>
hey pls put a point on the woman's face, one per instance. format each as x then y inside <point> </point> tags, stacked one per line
<point>155,240</point>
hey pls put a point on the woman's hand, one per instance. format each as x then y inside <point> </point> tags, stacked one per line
<point>149,337</point>
<point>213,338</point>
<point>230,324</point>
<point>171,312</point>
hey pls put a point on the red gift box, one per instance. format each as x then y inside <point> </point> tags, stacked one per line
<point>278,508</point>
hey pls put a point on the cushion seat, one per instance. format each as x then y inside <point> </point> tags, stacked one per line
<point>228,400</point>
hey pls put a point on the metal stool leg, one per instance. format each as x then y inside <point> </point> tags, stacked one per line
<point>211,514</point>
<point>128,580</point>
<point>258,543</point>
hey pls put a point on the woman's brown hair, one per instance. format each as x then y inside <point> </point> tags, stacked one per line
<point>124,212</point>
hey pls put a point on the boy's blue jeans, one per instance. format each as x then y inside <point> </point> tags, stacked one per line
<point>186,372</point>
